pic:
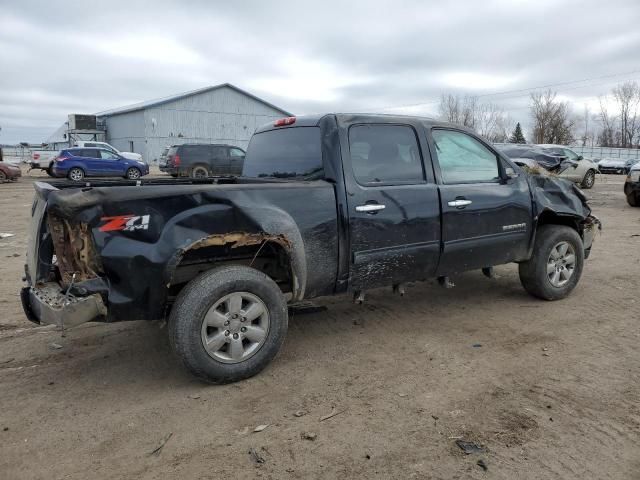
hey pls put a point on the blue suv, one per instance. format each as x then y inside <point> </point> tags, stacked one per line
<point>77,163</point>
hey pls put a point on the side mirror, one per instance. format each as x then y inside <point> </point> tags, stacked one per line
<point>510,172</point>
<point>580,157</point>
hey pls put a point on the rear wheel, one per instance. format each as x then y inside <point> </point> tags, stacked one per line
<point>133,173</point>
<point>632,200</point>
<point>76,174</point>
<point>555,267</point>
<point>589,180</point>
<point>3,177</point>
<point>199,171</point>
<point>228,323</point>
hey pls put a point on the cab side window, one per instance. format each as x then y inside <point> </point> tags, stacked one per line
<point>463,159</point>
<point>236,152</point>
<point>385,154</point>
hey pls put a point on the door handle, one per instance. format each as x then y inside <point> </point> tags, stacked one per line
<point>370,207</point>
<point>459,203</point>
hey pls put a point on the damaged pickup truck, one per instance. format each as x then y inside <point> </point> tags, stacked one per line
<point>326,204</point>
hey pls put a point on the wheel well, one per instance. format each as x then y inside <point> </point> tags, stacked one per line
<point>551,218</point>
<point>268,256</point>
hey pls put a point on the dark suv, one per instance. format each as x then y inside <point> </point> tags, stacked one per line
<point>201,160</point>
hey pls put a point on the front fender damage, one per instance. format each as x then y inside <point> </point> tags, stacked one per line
<point>562,199</point>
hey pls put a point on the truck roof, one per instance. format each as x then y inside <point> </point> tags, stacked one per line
<point>314,119</point>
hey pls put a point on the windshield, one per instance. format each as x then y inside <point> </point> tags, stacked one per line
<point>285,153</point>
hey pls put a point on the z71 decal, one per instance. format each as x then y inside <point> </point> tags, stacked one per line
<point>125,223</point>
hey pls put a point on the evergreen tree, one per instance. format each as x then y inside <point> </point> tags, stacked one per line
<point>517,136</point>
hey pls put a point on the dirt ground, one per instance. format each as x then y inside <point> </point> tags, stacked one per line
<point>549,389</point>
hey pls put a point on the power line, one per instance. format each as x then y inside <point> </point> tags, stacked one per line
<point>522,90</point>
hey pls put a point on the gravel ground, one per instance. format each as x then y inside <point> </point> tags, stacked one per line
<point>548,389</point>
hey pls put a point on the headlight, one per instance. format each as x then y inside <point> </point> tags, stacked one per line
<point>634,176</point>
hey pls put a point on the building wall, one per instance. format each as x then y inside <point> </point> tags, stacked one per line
<point>222,115</point>
<point>125,128</point>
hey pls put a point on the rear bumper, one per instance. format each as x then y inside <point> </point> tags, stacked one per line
<point>169,170</point>
<point>47,305</point>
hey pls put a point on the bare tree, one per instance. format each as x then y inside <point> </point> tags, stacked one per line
<point>606,137</point>
<point>461,111</point>
<point>488,119</point>
<point>627,96</point>
<point>552,119</point>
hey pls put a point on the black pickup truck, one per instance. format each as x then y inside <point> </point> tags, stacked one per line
<point>326,204</point>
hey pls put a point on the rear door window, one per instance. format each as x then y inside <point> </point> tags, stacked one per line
<point>385,154</point>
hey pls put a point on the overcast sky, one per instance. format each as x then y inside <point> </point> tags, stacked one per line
<point>71,57</point>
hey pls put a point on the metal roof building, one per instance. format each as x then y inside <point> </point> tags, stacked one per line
<point>218,114</point>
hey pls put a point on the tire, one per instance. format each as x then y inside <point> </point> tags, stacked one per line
<point>536,274</point>
<point>3,177</point>
<point>197,301</point>
<point>76,174</point>
<point>49,170</point>
<point>133,173</point>
<point>589,180</point>
<point>632,200</point>
<point>199,171</point>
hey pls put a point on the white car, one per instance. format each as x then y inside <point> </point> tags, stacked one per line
<point>616,165</point>
<point>556,159</point>
<point>106,146</point>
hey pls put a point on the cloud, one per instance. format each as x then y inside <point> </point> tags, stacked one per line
<point>365,55</point>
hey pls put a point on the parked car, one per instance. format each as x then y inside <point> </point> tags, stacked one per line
<point>106,146</point>
<point>326,204</point>
<point>201,160</point>
<point>9,172</point>
<point>43,159</point>
<point>78,163</point>
<point>583,171</point>
<point>632,186</point>
<point>573,168</point>
<point>620,166</point>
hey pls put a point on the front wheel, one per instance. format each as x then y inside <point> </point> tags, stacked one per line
<point>589,180</point>
<point>632,200</point>
<point>76,174</point>
<point>555,267</point>
<point>228,323</point>
<point>133,173</point>
<point>3,177</point>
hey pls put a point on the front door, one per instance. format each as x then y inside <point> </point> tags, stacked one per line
<point>393,206</point>
<point>111,164</point>
<point>486,216</point>
<point>236,161</point>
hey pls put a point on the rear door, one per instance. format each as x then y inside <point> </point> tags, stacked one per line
<point>219,160</point>
<point>486,216</point>
<point>394,211</point>
<point>91,160</point>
